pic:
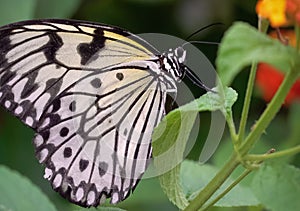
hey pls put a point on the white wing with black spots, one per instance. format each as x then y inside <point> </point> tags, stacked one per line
<point>93,94</point>
<point>99,144</point>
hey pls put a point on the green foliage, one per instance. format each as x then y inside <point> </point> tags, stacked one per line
<point>22,10</point>
<point>171,135</point>
<point>56,8</point>
<point>18,193</point>
<point>195,176</point>
<point>168,141</point>
<point>204,186</point>
<point>16,10</point>
<point>277,185</point>
<point>242,44</point>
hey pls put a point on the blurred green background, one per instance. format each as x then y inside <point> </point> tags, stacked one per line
<point>179,18</point>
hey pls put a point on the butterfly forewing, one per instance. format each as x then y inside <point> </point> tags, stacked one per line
<point>92,94</point>
<point>36,58</point>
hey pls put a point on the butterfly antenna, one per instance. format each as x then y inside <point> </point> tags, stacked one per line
<point>200,42</point>
<point>188,72</point>
<point>203,28</point>
<point>196,80</point>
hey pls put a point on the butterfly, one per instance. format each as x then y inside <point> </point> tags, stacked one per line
<point>93,94</point>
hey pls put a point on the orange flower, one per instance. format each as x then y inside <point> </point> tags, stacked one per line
<point>286,36</point>
<point>274,10</point>
<point>293,10</point>
<point>268,79</point>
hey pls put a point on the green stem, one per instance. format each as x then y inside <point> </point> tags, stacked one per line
<point>247,103</point>
<point>214,184</point>
<point>287,152</point>
<point>229,188</point>
<point>269,112</point>
<point>263,25</point>
<point>232,129</point>
<point>297,32</point>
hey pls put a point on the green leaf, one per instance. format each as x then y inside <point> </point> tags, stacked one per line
<point>146,187</point>
<point>222,100</point>
<point>277,186</point>
<point>169,141</point>
<point>225,149</point>
<point>56,8</point>
<point>294,133</point>
<point>16,10</point>
<point>18,193</point>
<point>195,176</point>
<point>171,136</point>
<point>243,44</point>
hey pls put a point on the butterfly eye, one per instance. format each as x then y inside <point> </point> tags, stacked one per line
<point>180,53</point>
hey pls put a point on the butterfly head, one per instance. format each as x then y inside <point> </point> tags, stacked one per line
<point>173,62</point>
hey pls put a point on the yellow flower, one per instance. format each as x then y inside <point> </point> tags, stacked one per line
<point>274,11</point>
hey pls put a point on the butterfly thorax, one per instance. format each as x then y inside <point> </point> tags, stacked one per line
<point>173,62</point>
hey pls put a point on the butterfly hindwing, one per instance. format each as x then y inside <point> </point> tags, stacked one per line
<point>102,150</point>
<point>92,95</point>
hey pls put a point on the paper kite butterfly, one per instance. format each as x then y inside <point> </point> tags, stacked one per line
<point>93,94</point>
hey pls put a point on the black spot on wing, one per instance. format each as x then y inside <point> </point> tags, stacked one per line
<point>88,50</point>
<point>56,104</point>
<point>64,132</point>
<point>103,166</point>
<point>83,164</point>
<point>120,76</point>
<point>67,152</point>
<point>96,83</point>
<point>53,46</point>
<point>72,106</point>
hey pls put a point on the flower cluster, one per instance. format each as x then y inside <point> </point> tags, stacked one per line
<point>279,12</point>
<point>274,10</point>
<point>293,10</point>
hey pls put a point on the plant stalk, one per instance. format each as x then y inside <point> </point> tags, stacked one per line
<point>287,152</point>
<point>214,184</point>
<point>297,32</point>
<point>247,101</point>
<point>269,113</point>
<point>232,129</point>
<point>229,188</point>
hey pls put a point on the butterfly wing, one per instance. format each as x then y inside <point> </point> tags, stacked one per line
<point>93,95</point>
<point>98,145</point>
<point>36,57</point>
